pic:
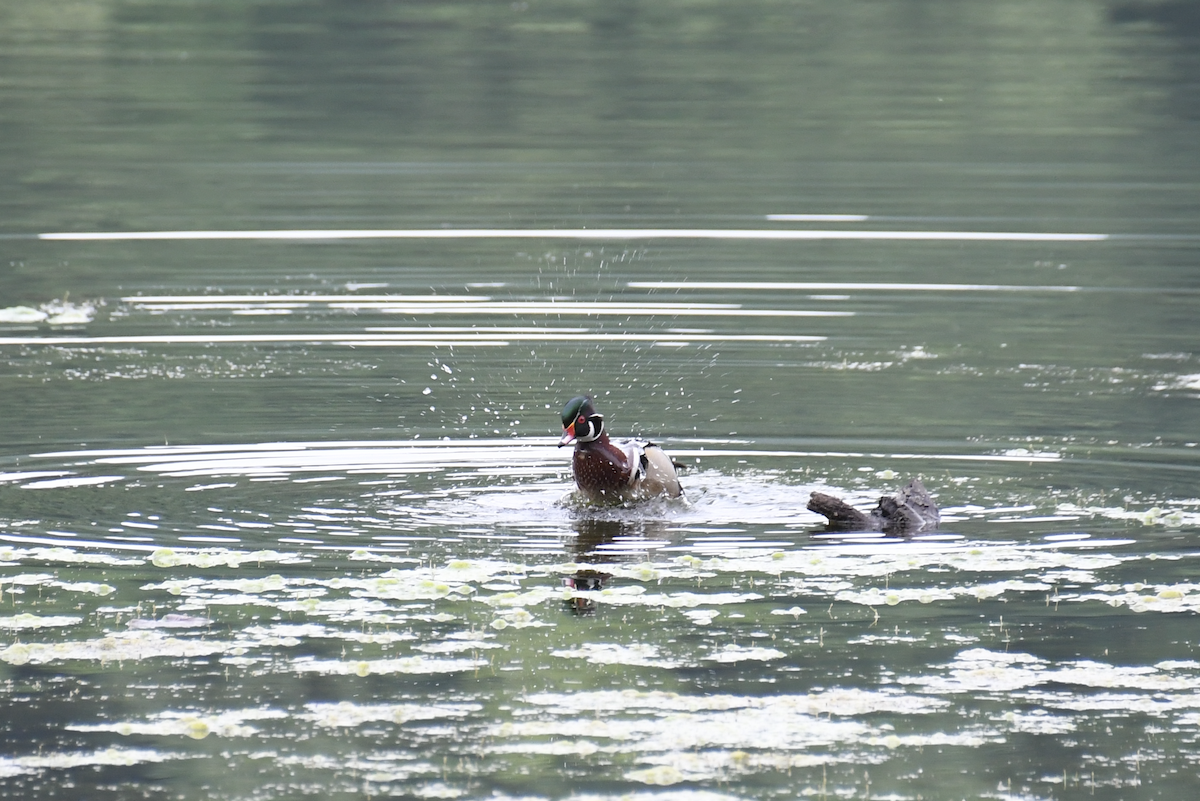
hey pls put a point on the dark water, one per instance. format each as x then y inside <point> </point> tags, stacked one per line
<point>281,515</point>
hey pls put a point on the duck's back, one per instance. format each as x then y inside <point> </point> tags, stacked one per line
<point>660,477</point>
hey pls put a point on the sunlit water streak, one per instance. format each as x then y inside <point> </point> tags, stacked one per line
<point>463,304</point>
<point>817,217</point>
<point>600,234</point>
<point>891,286</point>
<point>416,339</point>
<point>435,306</point>
<point>846,286</point>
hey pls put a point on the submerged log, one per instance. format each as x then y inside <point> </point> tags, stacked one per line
<point>910,510</point>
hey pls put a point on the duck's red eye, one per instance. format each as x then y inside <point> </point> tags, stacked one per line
<point>581,420</point>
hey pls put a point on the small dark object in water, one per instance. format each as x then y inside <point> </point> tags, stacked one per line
<point>912,509</point>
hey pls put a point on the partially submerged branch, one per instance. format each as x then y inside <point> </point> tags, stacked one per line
<point>909,511</point>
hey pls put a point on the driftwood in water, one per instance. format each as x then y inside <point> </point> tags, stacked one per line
<point>912,509</point>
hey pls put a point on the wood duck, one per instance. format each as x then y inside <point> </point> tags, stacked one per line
<point>614,472</point>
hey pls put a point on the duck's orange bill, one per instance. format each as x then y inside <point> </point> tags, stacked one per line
<point>568,435</point>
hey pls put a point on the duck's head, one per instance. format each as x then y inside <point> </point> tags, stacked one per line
<point>580,421</point>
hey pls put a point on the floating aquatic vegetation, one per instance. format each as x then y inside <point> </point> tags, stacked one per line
<point>701,617</point>
<point>840,702</point>
<point>604,653</point>
<point>964,739</point>
<point>379,774</point>
<point>255,586</point>
<point>292,634</point>
<point>219,557</point>
<point>682,795</point>
<point>18,582</point>
<point>62,555</point>
<point>516,617</point>
<point>637,596</point>
<point>888,558</point>
<point>738,653</point>
<point>115,757</point>
<point>170,620</point>
<point>176,586</point>
<point>29,621</point>
<point>1088,673</point>
<point>724,763</point>
<point>671,740</point>
<point>1183,597</point>
<point>453,646</point>
<point>1153,516</point>
<point>874,596</point>
<point>346,714</point>
<point>662,775</point>
<point>91,587</point>
<point>531,597</point>
<point>342,610</point>
<point>979,670</point>
<point>117,647</point>
<point>49,580</point>
<point>437,790</point>
<point>379,667</point>
<point>1039,721</point>
<point>884,639</point>
<point>194,725</point>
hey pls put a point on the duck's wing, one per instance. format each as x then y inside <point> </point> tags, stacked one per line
<point>653,472</point>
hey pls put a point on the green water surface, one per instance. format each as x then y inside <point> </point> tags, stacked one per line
<point>285,518</point>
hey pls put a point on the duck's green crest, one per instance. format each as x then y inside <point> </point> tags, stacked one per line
<point>577,406</point>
